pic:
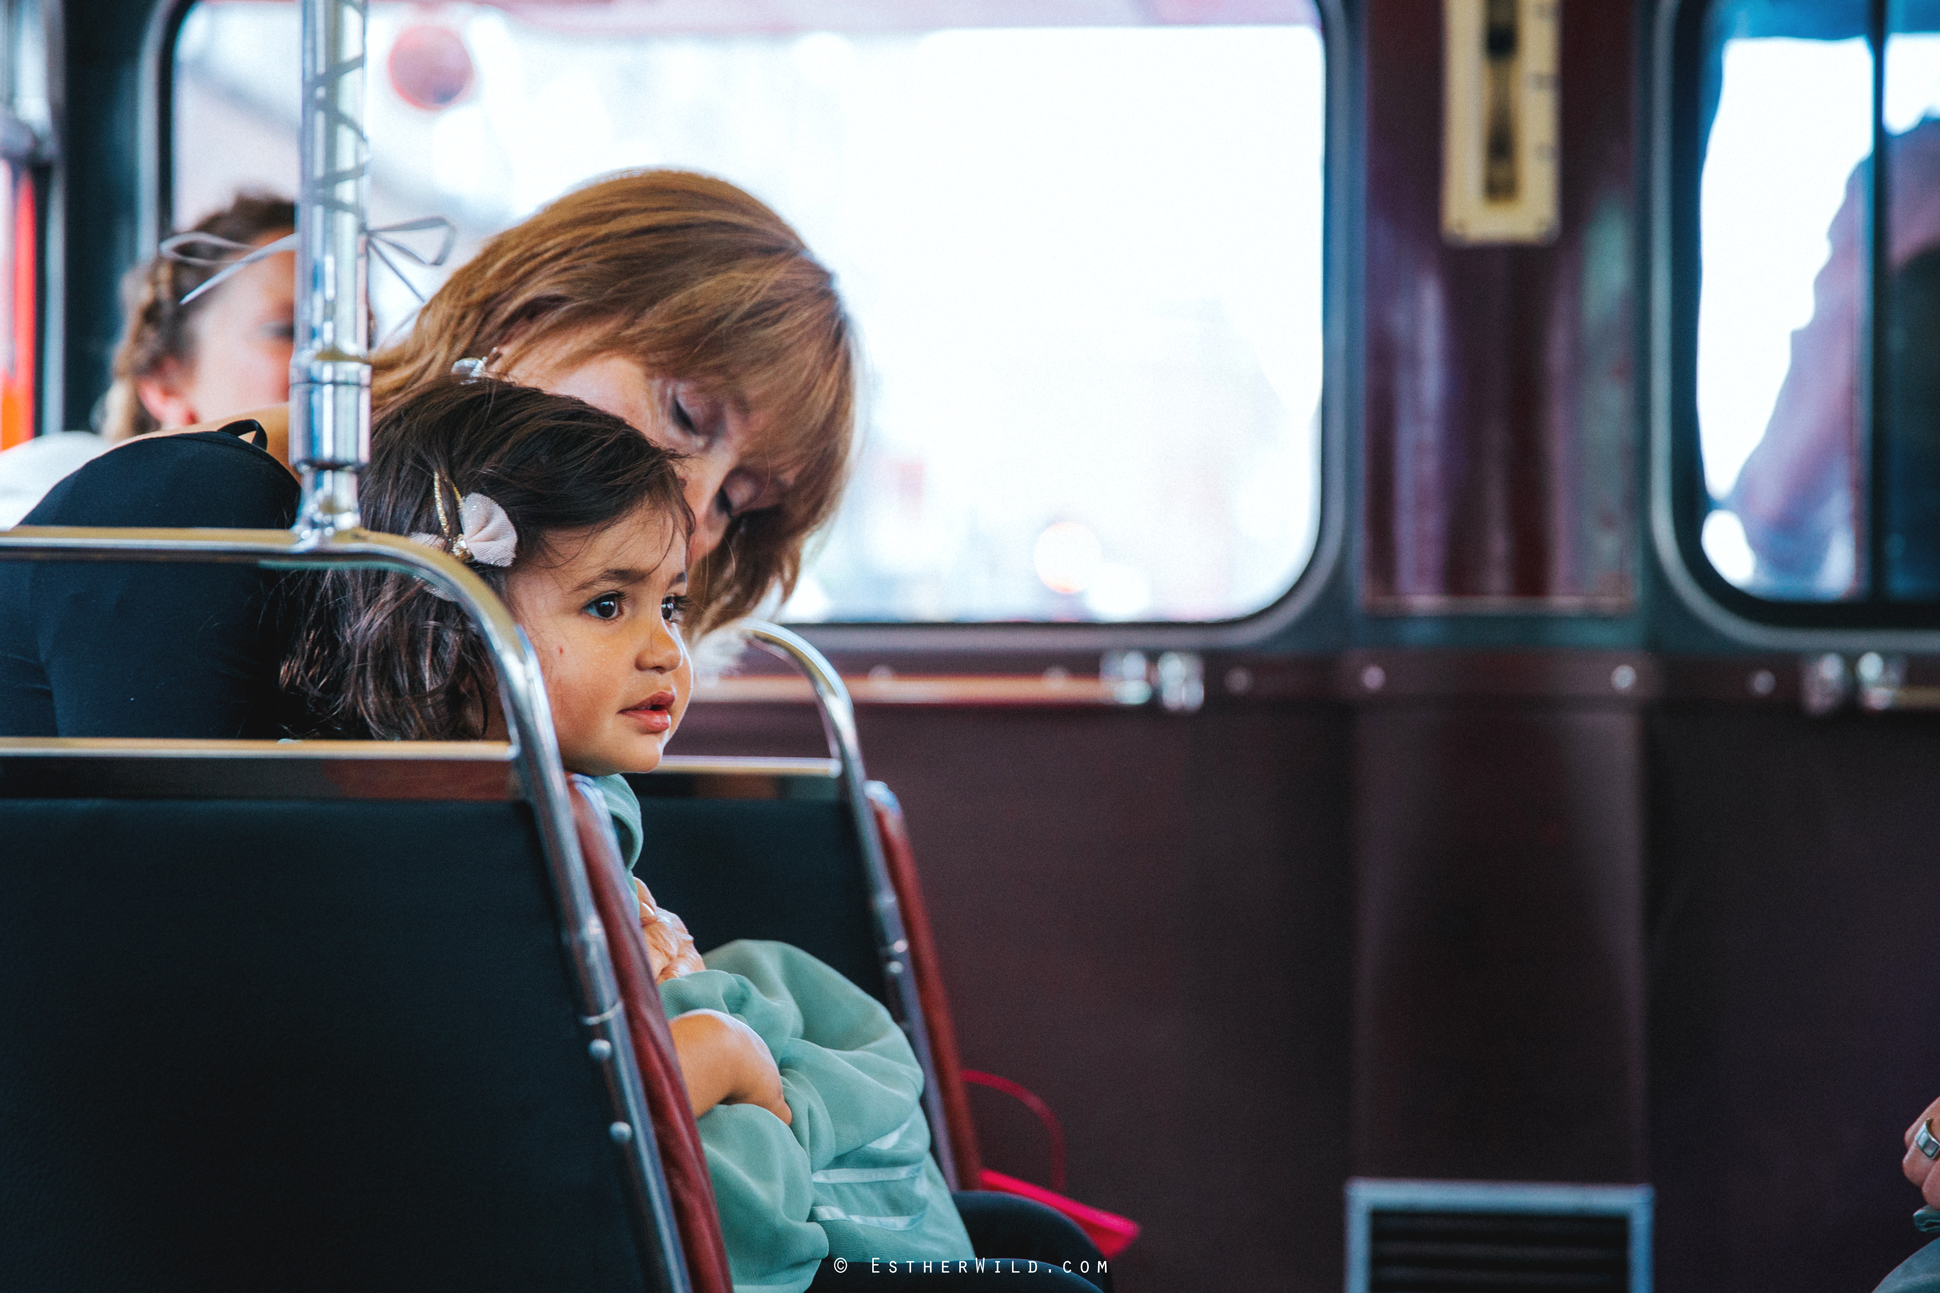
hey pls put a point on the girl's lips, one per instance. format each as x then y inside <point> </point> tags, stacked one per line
<point>655,713</point>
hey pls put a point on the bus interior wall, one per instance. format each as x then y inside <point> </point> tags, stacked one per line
<point>1429,896</point>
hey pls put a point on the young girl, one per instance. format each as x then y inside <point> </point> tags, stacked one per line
<point>807,1093</point>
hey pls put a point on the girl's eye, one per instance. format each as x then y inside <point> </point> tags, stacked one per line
<point>607,607</point>
<point>674,607</point>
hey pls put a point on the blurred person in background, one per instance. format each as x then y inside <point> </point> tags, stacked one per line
<point>1801,495</point>
<point>226,351</point>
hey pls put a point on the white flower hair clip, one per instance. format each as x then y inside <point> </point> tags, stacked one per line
<point>484,535</point>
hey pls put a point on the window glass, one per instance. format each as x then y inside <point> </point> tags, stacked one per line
<point>1084,258</point>
<point>1779,362</point>
<point>1817,400</point>
<point>1906,499</point>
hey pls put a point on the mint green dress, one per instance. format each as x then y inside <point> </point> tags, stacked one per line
<point>852,1176</point>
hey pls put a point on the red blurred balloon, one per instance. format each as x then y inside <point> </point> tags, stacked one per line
<point>430,67</point>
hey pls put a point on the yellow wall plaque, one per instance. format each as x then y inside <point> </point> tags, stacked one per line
<point>1499,120</point>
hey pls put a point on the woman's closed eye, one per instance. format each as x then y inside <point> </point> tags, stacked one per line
<point>697,418</point>
<point>741,492</point>
<point>684,419</point>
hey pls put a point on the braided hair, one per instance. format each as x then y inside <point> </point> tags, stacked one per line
<point>160,328</point>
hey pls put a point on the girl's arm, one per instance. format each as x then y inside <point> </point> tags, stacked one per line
<point>723,1061</point>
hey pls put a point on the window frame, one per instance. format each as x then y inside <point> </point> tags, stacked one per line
<point>1678,492</point>
<point>1324,564</point>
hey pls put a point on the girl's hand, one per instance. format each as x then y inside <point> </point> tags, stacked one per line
<point>670,948</point>
<point>723,1061</point>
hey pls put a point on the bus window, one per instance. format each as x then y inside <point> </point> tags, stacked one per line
<point>1817,413</point>
<point>1084,261</point>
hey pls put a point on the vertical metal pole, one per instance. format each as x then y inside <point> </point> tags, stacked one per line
<point>330,372</point>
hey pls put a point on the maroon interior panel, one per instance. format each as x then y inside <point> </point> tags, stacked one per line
<point>1499,1031</point>
<point>1492,920</point>
<point>1499,438</point>
<point>1795,993</point>
<point>1144,919</point>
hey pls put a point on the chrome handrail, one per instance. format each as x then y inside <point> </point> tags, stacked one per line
<point>1050,689</point>
<point>741,765</point>
<point>535,753</point>
<point>837,712</point>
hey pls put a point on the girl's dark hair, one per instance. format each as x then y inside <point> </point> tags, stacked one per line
<point>380,656</point>
<point>158,327</point>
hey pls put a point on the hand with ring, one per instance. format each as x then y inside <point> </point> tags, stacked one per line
<point>1922,1161</point>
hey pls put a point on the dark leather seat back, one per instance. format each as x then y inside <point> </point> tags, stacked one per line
<point>786,868</point>
<point>252,1044</point>
<point>767,848</point>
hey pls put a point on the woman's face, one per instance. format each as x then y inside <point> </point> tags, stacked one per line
<point>240,345</point>
<point>715,435</point>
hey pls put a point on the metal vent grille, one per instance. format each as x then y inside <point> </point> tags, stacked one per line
<point>1483,1237</point>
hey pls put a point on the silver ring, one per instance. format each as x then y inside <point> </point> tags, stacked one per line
<point>1923,1139</point>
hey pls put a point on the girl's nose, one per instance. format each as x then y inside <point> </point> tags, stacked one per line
<point>664,648</point>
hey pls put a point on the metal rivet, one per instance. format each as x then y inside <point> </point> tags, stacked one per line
<point>1182,682</point>
<point>882,673</point>
<point>600,1049</point>
<point>621,1132</point>
<point>1239,680</point>
<point>1623,677</point>
<point>900,946</point>
<point>1825,683</point>
<point>1374,677</point>
<point>894,967</point>
<point>1124,673</point>
<point>1763,682</point>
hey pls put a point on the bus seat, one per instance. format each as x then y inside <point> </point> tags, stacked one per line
<point>306,1016</point>
<point>782,868</point>
<point>784,865</point>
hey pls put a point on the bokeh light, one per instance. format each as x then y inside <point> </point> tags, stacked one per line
<point>1067,557</point>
